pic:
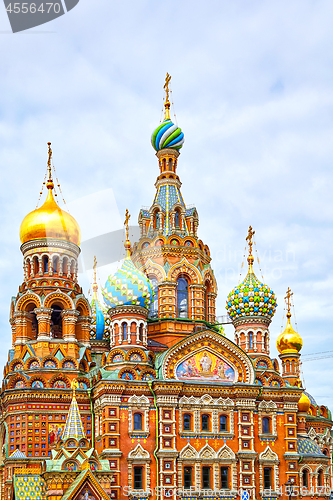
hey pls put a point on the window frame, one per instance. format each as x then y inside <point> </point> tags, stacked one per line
<point>206,468</point>
<point>208,422</point>
<point>137,468</point>
<point>190,422</point>
<point>227,478</point>
<point>137,413</point>
<point>268,420</point>
<point>190,482</point>
<point>225,423</point>
<point>269,470</point>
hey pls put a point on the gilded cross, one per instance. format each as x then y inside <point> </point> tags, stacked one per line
<point>287,298</point>
<point>166,86</point>
<point>49,161</point>
<point>249,239</point>
<point>127,218</point>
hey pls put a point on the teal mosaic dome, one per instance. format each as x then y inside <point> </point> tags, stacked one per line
<point>167,135</point>
<point>128,286</point>
<point>251,298</point>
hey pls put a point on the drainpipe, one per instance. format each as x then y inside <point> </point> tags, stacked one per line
<point>150,383</point>
<point>92,419</point>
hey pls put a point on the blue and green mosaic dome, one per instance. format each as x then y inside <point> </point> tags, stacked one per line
<point>251,298</point>
<point>167,135</point>
<point>128,286</point>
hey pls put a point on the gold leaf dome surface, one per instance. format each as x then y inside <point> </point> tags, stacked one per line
<point>304,403</point>
<point>289,341</point>
<point>49,221</point>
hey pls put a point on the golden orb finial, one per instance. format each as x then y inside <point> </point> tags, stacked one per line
<point>127,242</point>
<point>304,404</point>
<point>250,258</point>
<point>167,102</point>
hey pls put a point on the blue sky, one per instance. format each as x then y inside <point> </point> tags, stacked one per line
<point>253,91</point>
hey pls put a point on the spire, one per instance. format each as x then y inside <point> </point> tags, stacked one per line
<point>49,184</point>
<point>167,102</point>
<point>95,286</point>
<point>127,242</point>
<point>250,258</point>
<point>73,427</point>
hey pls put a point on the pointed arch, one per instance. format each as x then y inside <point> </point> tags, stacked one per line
<point>188,452</point>
<point>184,267</point>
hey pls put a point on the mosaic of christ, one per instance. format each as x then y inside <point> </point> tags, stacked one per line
<point>205,366</point>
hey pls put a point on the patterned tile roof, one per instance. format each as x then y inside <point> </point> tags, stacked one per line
<point>308,447</point>
<point>73,427</point>
<point>29,487</point>
<point>167,196</point>
<point>18,454</point>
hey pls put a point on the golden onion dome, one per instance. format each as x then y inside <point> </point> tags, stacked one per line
<point>289,341</point>
<point>304,403</point>
<point>49,221</point>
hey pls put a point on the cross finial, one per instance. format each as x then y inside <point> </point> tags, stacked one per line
<point>127,242</point>
<point>95,287</point>
<point>49,182</point>
<point>287,298</point>
<point>167,102</point>
<point>249,237</point>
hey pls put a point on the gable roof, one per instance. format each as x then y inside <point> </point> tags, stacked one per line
<point>77,484</point>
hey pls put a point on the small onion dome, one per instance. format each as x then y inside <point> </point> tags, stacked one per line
<point>98,312</point>
<point>49,221</point>
<point>304,403</point>
<point>167,135</point>
<point>289,341</point>
<point>251,298</point>
<point>128,286</point>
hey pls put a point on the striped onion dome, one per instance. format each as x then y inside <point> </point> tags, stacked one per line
<point>167,135</point>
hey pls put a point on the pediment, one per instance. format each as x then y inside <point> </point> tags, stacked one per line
<point>207,452</point>
<point>267,405</point>
<point>268,455</point>
<point>188,452</point>
<point>138,400</point>
<point>208,356</point>
<point>226,453</point>
<point>139,452</point>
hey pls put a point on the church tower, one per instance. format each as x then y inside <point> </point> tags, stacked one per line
<point>169,251</point>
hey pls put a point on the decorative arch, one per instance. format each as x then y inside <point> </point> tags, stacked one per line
<point>113,353</point>
<point>59,297</point>
<point>185,268</point>
<point>138,453</point>
<point>69,359</point>
<point>59,377</point>
<point>226,453</point>
<point>151,267</point>
<point>138,351</point>
<point>37,378</point>
<point>215,344</point>
<point>34,361</point>
<point>25,300</point>
<point>52,359</point>
<point>268,455</point>
<point>83,306</point>
<point>15,379</point>
<point>188,452</point>
<point>207,452</point>
<point>128,374</point>
<point>209,277</point>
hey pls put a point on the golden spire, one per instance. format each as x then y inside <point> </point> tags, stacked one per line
<point>250,258</point>
<point>287,299</point>
<point>167,102</point>
<point>95,286</point>
<point>127,242</point>
<point>49,184</point>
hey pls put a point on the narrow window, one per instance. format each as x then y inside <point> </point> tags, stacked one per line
<point>305,478</point>
<point>124,330</point>
<point>224,478</point>
<point>65,266</point>
<point>187,477</point>
<point>205,422</point>
<point>177,221</point>
<point>36,265</point>
<point>55,264</point>
<point>320,478</point>
<point>187,422</point>
<point>45,264</point>
<point>250,340</point>
<point>267,478</point>
<point>170,164</point>
<point>223,423</point>
<point>182,298</point>
<point>141,333</point>
<point>265,425</point>
<point>153,313</point>
<point>157,220</point>
<point>206,478</point>
<point>137,423</point>
<point>138,478</point>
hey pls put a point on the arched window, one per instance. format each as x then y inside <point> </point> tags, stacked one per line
<point>55,264</point>
<point>182,298</point>
<point>305,478</point>
<point>250,340</point>
<point>137,422</point>
<point>141,333</point>
<point>163,163</point>
<point>28,267</point>
<point>320,478</point>
<point>36,265</point>
<point>65,266</point>
<point>205,422</point>
<point>72,269</point>
<point>207,290</point>
<point>56,322</point>
<point>157,220</point>
<point>265,425</point>
<point>153,312</point>
<point>170,164</point>
<point>187,422</point>
<point>124,330</point>
<point>265,342</point>
<point>223,423</point>
<point>45,264</point>
<point>177,219</point>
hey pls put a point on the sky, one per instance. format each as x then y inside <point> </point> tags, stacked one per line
<point>252,87</point>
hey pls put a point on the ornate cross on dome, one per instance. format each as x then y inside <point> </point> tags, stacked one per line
<point>167,102</point>
<point>50,181</point>
<point>249,237</point>
<point>127,218</point>
<point>287,298</point>
<point>95,280</point>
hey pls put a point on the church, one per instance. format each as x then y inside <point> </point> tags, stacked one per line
<point>138,393</point>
